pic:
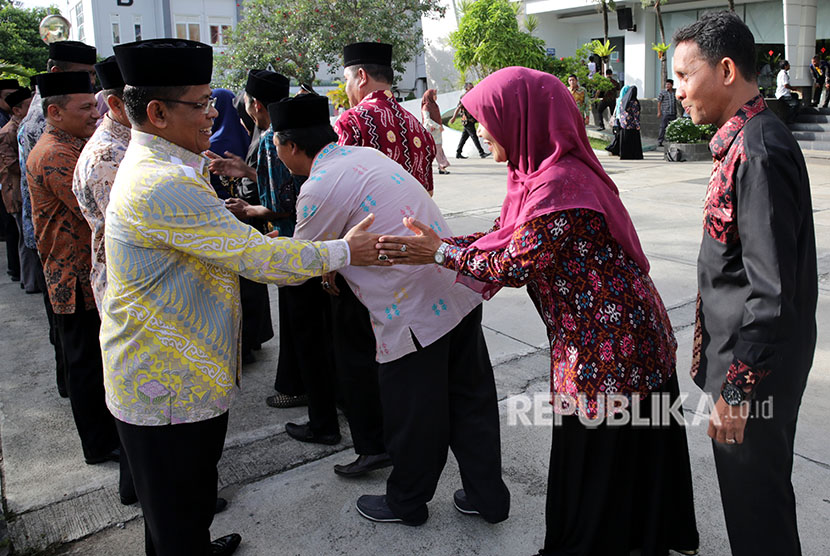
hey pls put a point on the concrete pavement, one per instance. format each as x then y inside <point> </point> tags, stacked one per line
<point>284,497</point>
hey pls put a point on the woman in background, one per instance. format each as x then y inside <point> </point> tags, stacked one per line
<point>431,117</point>
<point>229,135</point>
<point>631,146</point>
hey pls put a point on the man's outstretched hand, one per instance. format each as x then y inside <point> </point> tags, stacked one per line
<point>362,244</point>
<point>230,165</point>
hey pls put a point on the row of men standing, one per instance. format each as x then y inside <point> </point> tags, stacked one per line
<point>70,178</point>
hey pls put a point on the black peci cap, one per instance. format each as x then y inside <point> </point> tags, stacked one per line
<point>9,84</point>
<point>19,96</point>
<point>377,53</point>
<point>165,63</point>
<point>109,74</point>
<point>72,51</point>
<point>299,112</point>
<point>63,83</point>
<point>266,86</point>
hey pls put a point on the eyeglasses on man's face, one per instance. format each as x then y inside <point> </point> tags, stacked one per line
<point>203,106</point>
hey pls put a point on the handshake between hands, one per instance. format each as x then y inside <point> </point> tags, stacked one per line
<point>372,249</point>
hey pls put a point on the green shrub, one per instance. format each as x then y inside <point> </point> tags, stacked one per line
<point>683,130</point>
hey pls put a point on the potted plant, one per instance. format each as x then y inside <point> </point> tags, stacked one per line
<point>687,141</point>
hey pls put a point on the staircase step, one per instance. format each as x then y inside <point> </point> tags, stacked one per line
<point>814,145</point>
<point>815,127</point>
<point>810,118</point>
<point>812,136</point>
<point>814,110</point>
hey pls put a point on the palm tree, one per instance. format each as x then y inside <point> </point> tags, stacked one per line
<point>663,62</point>
<point>604,6</point>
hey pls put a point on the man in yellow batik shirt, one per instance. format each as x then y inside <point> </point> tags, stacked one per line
<point>170,329</point>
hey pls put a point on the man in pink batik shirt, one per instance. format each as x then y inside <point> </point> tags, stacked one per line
<point>436,381</point>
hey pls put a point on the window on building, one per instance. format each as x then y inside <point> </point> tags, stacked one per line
<point>137,28</point>
<point>188,30</point>
<point>219,31</point>
<point>116,32</point>
<point>79,20</point>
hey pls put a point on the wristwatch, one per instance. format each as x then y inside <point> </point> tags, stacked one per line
<point>441,254</point>
<point>733,395</point>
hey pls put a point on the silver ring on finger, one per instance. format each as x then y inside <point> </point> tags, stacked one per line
<point>730,440</point>
<point>326,285</point>
<point>403,248</point>
<point>382,257</point>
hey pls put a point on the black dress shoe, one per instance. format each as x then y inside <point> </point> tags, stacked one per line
<point>221,504</point>
<point>284,401</point>
<point>115,456</point>
<point>225,546</point>
<point>129,500</point>
<point>374,508</point>
<point>484,155</point>
<point>459,155</point>
<point>303,433</point>
<point>363,465</point>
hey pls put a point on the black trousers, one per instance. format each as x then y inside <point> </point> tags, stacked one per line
<point>357,370</point>
<point>755,477</point>
<point>12,237</point>
<point>54,337</point>
<point>256,314</point>
<point>469,131</point>
<point>665,119</point>
<point>444,396</point>
<point>174,469</point>
<point>78,335</point>
<point>600,110</point>
<point>307,351</point>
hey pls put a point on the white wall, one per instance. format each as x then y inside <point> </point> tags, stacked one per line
<point>438,55</point>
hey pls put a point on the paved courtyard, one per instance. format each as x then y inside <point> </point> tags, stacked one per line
<point>284,497</point>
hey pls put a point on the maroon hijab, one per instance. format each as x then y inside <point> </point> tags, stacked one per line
<point>551,166</point>
<point>429,103</point>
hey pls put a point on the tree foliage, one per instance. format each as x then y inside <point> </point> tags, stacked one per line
<point>488,39</point>
<point>603,7</point>
<point>20,42</point>
<point>657,4</point>
<point>296,36</point>
<point>577,65</point>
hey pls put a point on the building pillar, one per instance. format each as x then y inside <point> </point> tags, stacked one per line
<point>800,39</point>
<point>639,57</point>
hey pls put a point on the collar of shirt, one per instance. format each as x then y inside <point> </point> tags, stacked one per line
<point>720,143</point>
<point>325,153</point>
<point>171,151</point>
<point>381,95</point>
<point>117,128</point>
<point>64,137</point>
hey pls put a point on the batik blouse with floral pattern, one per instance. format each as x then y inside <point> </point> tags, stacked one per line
<point>608,329</point>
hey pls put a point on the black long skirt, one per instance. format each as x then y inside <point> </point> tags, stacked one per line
<point>631,147</point>
<point>614,489</point>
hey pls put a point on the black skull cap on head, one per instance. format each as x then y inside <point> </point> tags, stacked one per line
<point>376,53</point>
<point>299,112</point>
<point>72,51</point>
<point>165,63</point>
<point>63,83</point>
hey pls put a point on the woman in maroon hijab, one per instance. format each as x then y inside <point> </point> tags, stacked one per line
<point>431,118</point>
<point>564,233</point>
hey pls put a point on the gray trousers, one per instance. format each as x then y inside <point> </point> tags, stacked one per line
<point>29,260</point>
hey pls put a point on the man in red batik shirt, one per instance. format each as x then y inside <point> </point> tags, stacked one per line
<point>375,120</point>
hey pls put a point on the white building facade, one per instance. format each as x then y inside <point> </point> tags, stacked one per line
<point>106,23</point>
<point>791,29</point>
